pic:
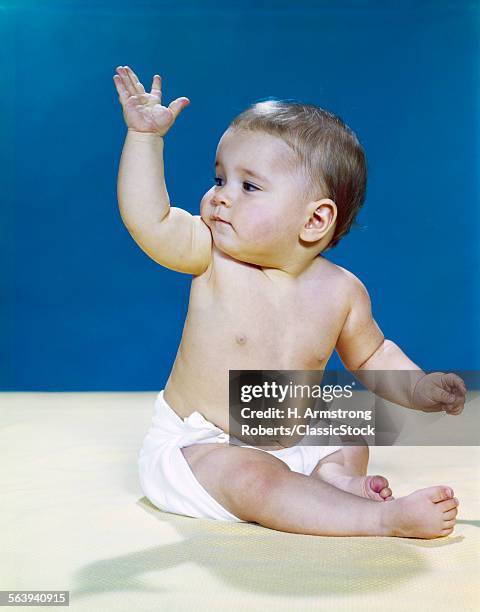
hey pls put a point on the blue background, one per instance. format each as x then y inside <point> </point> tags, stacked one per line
<point>83,308</point>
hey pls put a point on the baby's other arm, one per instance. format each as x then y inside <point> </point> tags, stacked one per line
<point>361,344</point>
<point>170,236</point>
<point>376,361</point>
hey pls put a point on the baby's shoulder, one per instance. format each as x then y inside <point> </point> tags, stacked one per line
<point>342,281</point>
<point>328,270</point>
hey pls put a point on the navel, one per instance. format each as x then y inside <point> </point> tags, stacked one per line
<point>241,338</point>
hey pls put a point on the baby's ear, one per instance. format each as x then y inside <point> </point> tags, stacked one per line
<point>321,217</point>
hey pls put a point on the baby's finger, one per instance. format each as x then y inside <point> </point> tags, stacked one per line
<point>454,382</point>
<point>157,87</point>
<point>121,89</point>
<point>134,80</point>
<point>455,410</point>
<point>178,105</point>
<point>441,396</point>
<point>127,83</point>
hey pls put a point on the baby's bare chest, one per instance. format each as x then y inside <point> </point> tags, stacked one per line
<point>251,323</point>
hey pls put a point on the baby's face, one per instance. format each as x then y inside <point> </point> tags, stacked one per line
<point>255,210</point>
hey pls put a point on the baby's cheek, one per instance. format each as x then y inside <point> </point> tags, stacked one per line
<point>265,230</point>
<point>204,205</point>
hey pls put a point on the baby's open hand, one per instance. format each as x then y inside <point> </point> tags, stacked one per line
<point>143,111</point>
<point>436,392</point>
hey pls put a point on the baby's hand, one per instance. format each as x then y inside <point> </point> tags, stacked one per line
<point>438,391</point>
<point>143,111</point>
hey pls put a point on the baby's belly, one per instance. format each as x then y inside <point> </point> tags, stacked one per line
<point>200,377</point>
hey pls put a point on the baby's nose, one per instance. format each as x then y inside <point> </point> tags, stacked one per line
<point>221,198</point>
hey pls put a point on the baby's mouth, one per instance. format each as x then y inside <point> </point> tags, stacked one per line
<point>218,220</point>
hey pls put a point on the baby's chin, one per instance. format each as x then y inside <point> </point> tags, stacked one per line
<point>242,255</point>
<point>230,250</point>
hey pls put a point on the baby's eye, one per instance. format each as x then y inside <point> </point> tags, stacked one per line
<point>247,186</point>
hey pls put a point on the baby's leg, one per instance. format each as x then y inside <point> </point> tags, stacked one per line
<point>258,487</point>
<point>346,469</point>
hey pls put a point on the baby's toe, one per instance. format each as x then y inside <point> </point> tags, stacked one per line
<point>386,493</point>
<point>439,494</point>
<point>377,483</point>
<point>450,514</point>
<point>374,486</point>
<point>449,507</point>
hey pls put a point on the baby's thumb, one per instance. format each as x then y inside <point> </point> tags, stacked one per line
<point>178,105</point>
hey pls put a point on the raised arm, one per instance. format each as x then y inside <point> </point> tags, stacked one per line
<point>170,236</point>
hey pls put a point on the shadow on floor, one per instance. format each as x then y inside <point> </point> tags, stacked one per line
<point>465,522</point>
<point>252,558</point>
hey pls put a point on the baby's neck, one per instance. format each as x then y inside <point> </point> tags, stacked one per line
<point>291,271</point>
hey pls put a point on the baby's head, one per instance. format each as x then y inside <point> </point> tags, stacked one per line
<point>314,179</point>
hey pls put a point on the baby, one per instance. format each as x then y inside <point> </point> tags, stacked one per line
<point>289,180</point>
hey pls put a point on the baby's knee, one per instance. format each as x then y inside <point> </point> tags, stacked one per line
<point>257,478</point>
<point>262,474</point>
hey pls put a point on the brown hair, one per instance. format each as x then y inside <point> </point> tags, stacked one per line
<point>327,149</point>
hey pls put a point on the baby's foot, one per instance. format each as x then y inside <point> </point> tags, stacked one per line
<point>371,487</point>
<point>426,513</point>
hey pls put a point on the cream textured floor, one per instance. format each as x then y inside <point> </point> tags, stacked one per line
<point>73,518</point>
